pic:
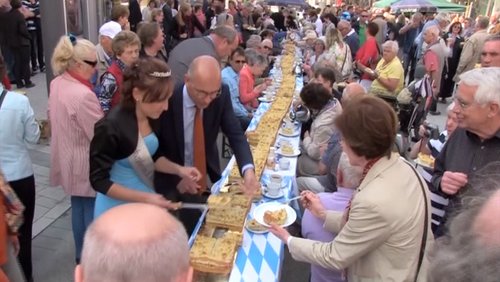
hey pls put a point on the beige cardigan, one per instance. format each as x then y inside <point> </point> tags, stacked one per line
<point>381,240</point>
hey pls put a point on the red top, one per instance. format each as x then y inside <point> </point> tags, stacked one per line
<point>116,71</point>
<point>431,62</point>
<point>248,96</point>
<point>367,54</point>
<point>6,83</point>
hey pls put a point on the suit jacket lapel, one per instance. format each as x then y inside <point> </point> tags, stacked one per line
<point>178,111</point>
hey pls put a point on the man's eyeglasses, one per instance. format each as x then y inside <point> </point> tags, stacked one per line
<point>240,61</point>
<point>461,103</point>
<point>364,16</point>
<point>214,94</point>
<point>90,63</point>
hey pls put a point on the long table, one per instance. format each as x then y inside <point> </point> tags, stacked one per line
<point>261,255</point>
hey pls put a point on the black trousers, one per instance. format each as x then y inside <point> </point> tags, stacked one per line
<point>36,49</point>
<point>25,190</point>
<point>22,71</point>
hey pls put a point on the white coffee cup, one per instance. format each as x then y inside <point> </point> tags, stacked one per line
<point>284,163</point>
<point>274,185</point>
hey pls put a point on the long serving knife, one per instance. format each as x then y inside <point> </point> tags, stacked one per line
<point>195,206</point>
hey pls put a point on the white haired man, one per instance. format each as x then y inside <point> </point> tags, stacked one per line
<point>107,32</point>
<point>350,36</point>
<point>434,59</point>
<point>135,242</point>
<point>440,21</point>
<point>476,142</point>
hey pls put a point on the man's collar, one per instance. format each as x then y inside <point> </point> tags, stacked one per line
<point>188,102</point>
<point>351,32</point>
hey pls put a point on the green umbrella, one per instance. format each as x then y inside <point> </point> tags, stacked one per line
<point>383,3</point>
<point>446,6</point>
<point>441,5</point>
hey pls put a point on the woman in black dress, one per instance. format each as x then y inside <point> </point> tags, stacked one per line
<point>454,41</point>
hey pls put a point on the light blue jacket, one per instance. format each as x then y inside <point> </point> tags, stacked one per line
<point>17,127</point>
<point>232,80</point>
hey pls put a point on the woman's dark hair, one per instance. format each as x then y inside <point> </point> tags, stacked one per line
<point>151,75</point>
<point>326,73</point>
<point>315,96</point>
<point>3,68</point>
<point>450,30</point>
<point>148,32</point>
<point>368,126</point>
<point>372,28</point>
<point>238,51</point>
<point>15,4</point>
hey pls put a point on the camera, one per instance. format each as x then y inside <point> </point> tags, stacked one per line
<point>431,131</point>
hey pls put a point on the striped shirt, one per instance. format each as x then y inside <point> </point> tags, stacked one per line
<point>34,7</point>
<point>438,202</point>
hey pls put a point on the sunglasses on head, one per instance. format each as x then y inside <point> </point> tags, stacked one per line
<point>90,63</point>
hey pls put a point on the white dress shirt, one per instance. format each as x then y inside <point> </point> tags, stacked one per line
<point>189,111</point>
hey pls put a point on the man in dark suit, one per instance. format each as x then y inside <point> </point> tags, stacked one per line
<point>203,91</point>
<point>168,21</point>
<point>135,15</point>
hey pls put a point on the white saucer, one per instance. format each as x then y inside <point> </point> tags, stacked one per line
<point>295,133</point>
<point>265,100</point>
<point>296,152</point>
<point>266,194</point>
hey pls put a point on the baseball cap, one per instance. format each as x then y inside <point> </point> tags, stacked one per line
<point>346,16</point>
<point>110,29</point>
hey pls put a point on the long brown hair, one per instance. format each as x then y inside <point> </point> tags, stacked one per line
<point>150,75</point>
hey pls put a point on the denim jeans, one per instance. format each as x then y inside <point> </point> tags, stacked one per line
<point>82,213</point>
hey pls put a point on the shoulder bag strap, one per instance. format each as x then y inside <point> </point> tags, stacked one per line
<point>424,236</point>
<point>4,93</point>
<point>345,58</point>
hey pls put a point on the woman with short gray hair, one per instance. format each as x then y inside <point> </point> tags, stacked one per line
<point>389,73</point>
<point>254,68</point>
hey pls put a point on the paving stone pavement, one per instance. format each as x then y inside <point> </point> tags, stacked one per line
<point>53,247</point>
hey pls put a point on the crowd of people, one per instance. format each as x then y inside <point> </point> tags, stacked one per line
<point>136,134</point>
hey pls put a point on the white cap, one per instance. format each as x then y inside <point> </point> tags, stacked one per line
<point>110,29</point>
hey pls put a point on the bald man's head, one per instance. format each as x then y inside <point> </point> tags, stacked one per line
<point>352,91</point>
<point>137,234</point>
<point>203,81</point>
<point>487,225</point>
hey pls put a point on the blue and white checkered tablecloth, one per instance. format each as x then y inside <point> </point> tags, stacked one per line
<point>260,257</point>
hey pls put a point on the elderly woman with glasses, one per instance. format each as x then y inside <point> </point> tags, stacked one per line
<point>388,77</point>
<point>231,77</point>
<point>73,111</point>
<point>254,68</point>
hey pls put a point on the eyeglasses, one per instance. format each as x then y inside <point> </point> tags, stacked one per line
<point>364,16</point>
<point>90,63</point>
<point>240,61</point>
<point>214,94</point>
<point>463,105</point>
